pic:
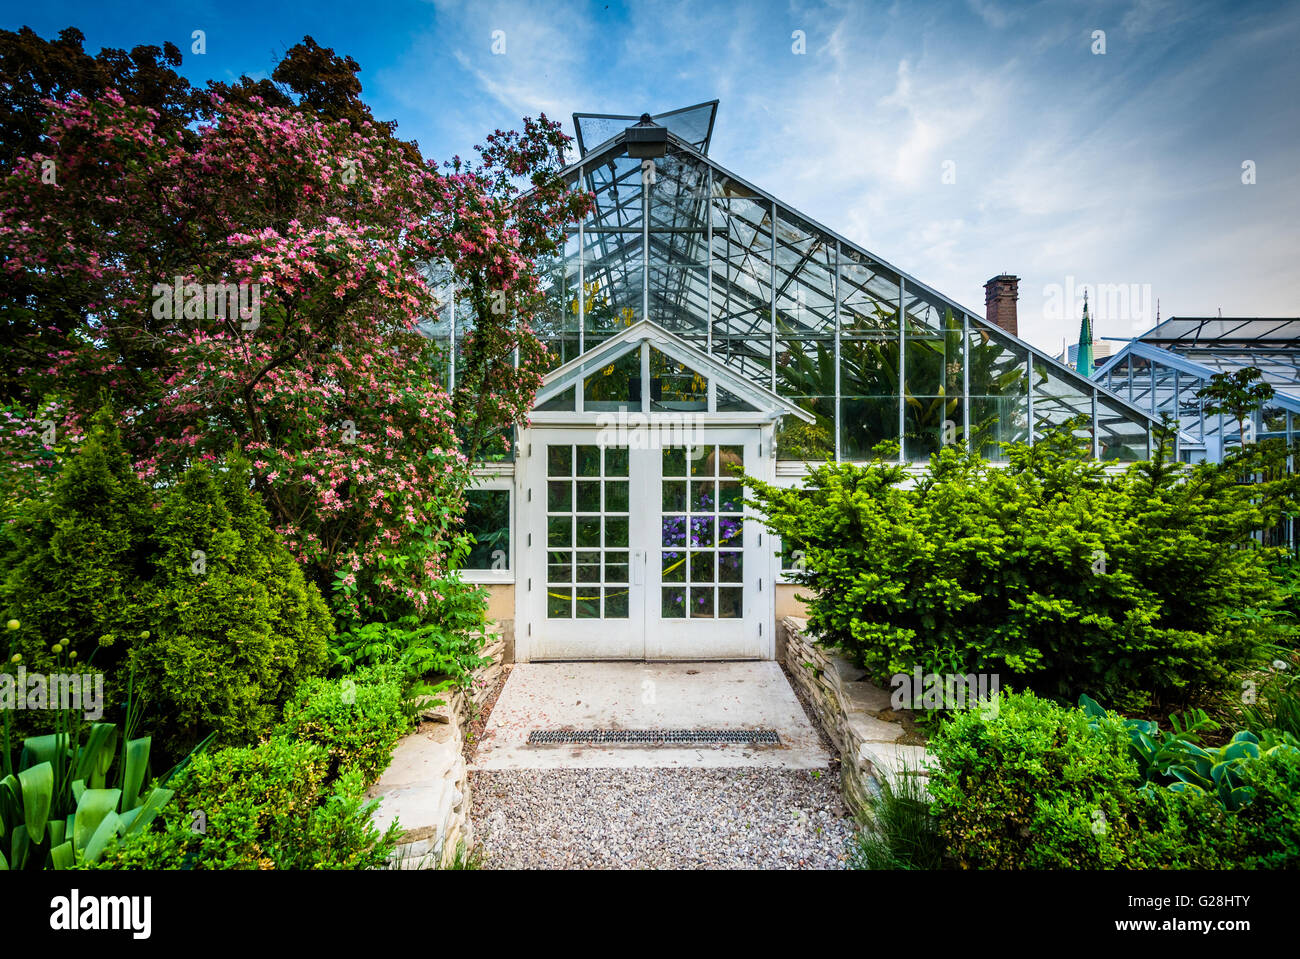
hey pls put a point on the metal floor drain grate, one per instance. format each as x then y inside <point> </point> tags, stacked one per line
<point>654,737</point>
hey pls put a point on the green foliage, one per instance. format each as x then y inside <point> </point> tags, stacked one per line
<point>1033,788</point>
<point>1144,587</point>
<point>1237,394</point>
<point>357,720</point>
<point>433,651</point>
<point>57,809</point>
<point>271,806</point>
<point>901,832</point>
<point>1041,786</point>
<point>1178,759</point>
<point>195,593</point>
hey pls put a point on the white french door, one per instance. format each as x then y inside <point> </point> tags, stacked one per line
<point>636,551</point>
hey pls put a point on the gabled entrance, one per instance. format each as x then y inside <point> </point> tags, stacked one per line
<point>636,544</point>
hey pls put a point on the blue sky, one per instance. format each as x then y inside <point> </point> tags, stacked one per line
<point>1070,168</point>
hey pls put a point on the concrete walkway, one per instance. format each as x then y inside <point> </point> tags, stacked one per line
<point>731,695</point>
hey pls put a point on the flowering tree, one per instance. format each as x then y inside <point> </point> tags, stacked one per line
<point>260,286</point>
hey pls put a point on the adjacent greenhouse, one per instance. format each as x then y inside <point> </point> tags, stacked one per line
<point>1162,371</point>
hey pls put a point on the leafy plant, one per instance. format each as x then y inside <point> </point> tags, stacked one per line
<point>357,720</point>
<point>1178,760</point>
<point>901,832</point>
<point>189,594</point>
<point>57,807</point>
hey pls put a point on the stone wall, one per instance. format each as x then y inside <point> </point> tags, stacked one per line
<point>426,785</point>
<point>874,741</point>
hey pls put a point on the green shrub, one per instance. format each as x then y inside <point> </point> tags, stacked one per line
<point>1143,589</point>
<point>357,720</point>
<point>1033,788</point>
<point>271,806</point>
<point>227,645</point>
<point>195,591</point>
<point>1041,786</point>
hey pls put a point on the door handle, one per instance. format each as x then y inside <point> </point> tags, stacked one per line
<point>638,568</point>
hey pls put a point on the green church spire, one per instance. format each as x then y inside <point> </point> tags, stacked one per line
<point>1084,361</point>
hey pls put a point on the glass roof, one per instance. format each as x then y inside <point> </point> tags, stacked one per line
<point>692,124</point>
<point>1192,330</point>
<point>869,353</point>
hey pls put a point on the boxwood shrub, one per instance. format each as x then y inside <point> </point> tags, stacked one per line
<point>357,720</point>
<point>270,806</point>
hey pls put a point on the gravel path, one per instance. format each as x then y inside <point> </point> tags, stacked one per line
<point>659,819</point>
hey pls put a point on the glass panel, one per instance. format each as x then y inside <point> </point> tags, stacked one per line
<point>616,532</point>
<point>674,566</point>
<point>588,566</point>
<point>588,496</point>
<point>674,496</point>
<point>616,386</point>
<point>487,519</point>
<point>589,531</point>
<point>616,497</point>
<point>559,531</point>
<point>869,393</point>
<point>805,266</point>
<point>559,602</point>
<point>728,402</point>
<point>701,605</point>
<point>1057,399</point>
<point>730,497</point>
<point>999,391</point>
<point>559,566</point>
<point>797,440</point>
<point>676,387</point>
<point>674,461</point>
<point>616,461</point>
<point>866,421</point>
<point>616,603</point>
<point>559,496</point>
<point>868,298</point>
<point>704,496</point>
<point>742,284</point>
<point>1120,437</point>
<point>730,602</point>
<point>729,530</point>
<point>702,568</point>
<point>730,567</point>
<point>565,402</point>
<point>932,411</point>
<point>589,461</point>
<point>674,602</point>
<point>559,460</point>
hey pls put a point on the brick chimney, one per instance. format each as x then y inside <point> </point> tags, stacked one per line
<point>1000,295</point>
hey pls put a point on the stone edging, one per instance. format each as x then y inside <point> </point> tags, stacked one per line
<point>855,714</point>
<point>426,785</point>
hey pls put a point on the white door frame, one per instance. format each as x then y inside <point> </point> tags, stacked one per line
<point>749,637</point>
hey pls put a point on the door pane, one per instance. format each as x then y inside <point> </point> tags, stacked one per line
<point>587,569</point>
<point>704,541</point>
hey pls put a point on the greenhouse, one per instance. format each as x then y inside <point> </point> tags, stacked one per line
<point>1161,371</point>
<point>696,324</point>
